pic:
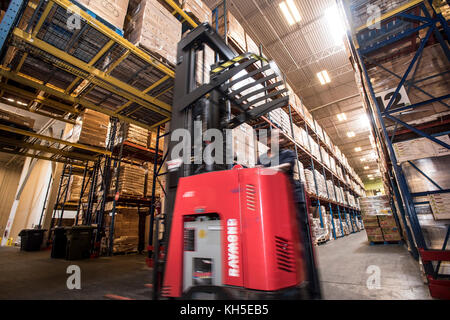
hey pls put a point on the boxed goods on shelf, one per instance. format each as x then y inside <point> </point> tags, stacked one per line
<point>235,30</point>
<point>315,151</point>
<point>158,189</point>
<point>198,9</point>
<point>153,137</point>
<point>308,117</point>
<point>205,58</point>
<point>126,229</point>
<point>339,171</point>
<point>299,172</point>
<point>297,134</point>
<point>75,186</point>
<point>325,157</point>
<point>321,184</point>
<point>332,164</point>
<point>330,188</point>
<point>251,45</point>
<point>337,227</point>
<point>91,128</point>
<point>131,180</point>
<point>310,184</point>
<point>374,234</point>
<point>440,205</point>
<point>375,205</point>
<point>133,134</point>
<point>420,148</point>
<point>154,28</point>
<point>113,11</point>
<point>19,120</point>
<point>318,129</point>
<point>305,139</point>
<point>371,221</point>
<point>281,118</point>
<point>244,145</point>
<point>391,234</point>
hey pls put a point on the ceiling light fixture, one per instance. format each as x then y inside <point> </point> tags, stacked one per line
<point>358,149</point>
<point>294,10</point>
<point>350,134</point>
<point>323,77</point>
<point>335,24</point>
<point>341,116</point>
<point>286,13</point>
<point>371,178</point>
<point>366,168</point>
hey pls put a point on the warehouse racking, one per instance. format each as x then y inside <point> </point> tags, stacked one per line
<point>45,56</point>
<point>407,33</point>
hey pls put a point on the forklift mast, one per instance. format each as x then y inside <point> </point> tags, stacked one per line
<point>218,104</point>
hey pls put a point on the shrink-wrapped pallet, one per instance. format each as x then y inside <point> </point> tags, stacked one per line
<point>153,28</point>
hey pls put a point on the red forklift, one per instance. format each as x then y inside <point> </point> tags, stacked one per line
<point>230,232</point>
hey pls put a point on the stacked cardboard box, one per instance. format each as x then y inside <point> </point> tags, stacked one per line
<point>91,128</point>
<point>440,205</point>
<point>339,171</point>
<point>299,172</point>
<point>319,130</point>
<point>330,188</point>
<point>154,28</point>
<point>332,164</point>
<point>75,188</point>
<point>325,157</point>
<point>126,229</point>
<point>158,189</point>
<point>8,117</point>
<point>131,180</point>
<point>132,133</point>
<point>420,148</point>
<point>205,58</point>
<point>198,9</point>
<point>153,137</point>
<point>244,145</point>
<point>235,30</point>
<point>112,11</point>
<point>308,117</point>
<point>321,184</point>
<point>337,227</point>
<point>310,185</point>
<point>375,205</point>
<point>389,228</point>
<point>315,150</point>
<point>281,118</point>
<point>304,139</point>
<point>297,134</point>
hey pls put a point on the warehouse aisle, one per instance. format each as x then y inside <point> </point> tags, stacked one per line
<point>343,264</point>
<point>34,275</point>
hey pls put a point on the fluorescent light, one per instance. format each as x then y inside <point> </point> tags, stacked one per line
<point>363,159</point>
<point>10,100</point>
<point>364,121</point>
<point>335,25</point>
<point>341,117</point>
<point>294,10</point>
<point>366,168</point>
<point>369,176</point>
<point>350,134</point>
<point>357,149</point>
<point>22,103</point>
<point>286,13</point>
<point>323,77</point>
<point>327,77</point>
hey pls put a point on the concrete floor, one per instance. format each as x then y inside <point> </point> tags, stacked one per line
<point>342,263</point>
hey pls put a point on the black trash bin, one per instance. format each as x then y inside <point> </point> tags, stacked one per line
<point>59,243</point>
<point>79,242</point>
<point>31,239</point>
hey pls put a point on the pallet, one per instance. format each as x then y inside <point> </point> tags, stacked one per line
<point>125,253</point>
<point>374,243</point>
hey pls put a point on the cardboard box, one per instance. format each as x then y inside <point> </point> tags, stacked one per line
<point>235,31</point>
<point>374,231</point>
<point>16,119</point>
<point>198,9</point>
<point>112,11</point>
<point>91,128</point>
<point>387,221</point>
<point>154,28</point>
<point>375,238</point>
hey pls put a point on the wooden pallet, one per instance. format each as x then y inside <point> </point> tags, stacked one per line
<point>374,243</point>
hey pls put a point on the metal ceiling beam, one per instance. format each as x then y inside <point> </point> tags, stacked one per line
<point>71,99</point>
